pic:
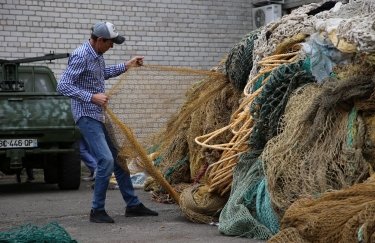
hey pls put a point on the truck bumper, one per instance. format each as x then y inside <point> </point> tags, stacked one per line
<point>15,156</point>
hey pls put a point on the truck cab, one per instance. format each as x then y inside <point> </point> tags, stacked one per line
<point>37,129</point>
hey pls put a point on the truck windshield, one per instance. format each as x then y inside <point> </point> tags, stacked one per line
<point>41,83</point>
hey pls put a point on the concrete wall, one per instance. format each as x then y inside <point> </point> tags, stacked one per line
<point>189,33</point>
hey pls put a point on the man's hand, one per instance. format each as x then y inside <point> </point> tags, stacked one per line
<point>136,61</point>
<point>99,99</point>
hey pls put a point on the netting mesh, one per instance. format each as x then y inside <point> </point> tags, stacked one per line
<point>321,145</point>
<point>270,36</point>
<point>208,107</point>
<point>240,60</point>
<point>236,218</point>
<point>220,173</point>
<point>249,211</point>
<point>317,220</point>
<point>51,232</point>
<point>178,158</point>
<point>199,205</point>
<point>130,143</point>
<point>268,107</point>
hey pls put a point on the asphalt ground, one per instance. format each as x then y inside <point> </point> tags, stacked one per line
<point>39,204</point>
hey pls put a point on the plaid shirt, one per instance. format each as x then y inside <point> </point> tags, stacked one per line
<point>84,77</point>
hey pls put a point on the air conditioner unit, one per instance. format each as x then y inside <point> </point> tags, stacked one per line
<point>266,14</point>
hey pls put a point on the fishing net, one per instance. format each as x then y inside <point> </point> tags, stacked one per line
<point>248,211</point>
<point>176,157</point>
<point>209,106</point>
<point>120,132</point>
<point>199,205</point>
<point>320,147</point>
<point>226,183</point>
<point>354,26</point>
<point>240,60</point>
<point>210,116</point>
<point>346,215</point>
<point>219,174</point>
<point>268,107</point>
<point>51,232</point>
<point>298,23</point>
<point>279,149</point>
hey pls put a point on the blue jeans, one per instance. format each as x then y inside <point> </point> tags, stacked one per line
<point>86,157</point>
<point>102,148</point>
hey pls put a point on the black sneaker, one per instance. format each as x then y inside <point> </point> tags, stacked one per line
<point>139,210</point>
<point>100,216</point>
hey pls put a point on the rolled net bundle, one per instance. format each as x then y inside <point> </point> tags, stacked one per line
<point>268,107</point>
<point>200,206</point>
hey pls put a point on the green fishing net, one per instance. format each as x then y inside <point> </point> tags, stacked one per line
<point>51,232</point>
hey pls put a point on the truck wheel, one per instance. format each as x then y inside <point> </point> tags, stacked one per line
<point>69,171</point>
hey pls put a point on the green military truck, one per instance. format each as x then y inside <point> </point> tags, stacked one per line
<point>37,129</point>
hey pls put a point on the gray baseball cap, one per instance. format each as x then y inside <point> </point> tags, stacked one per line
<point>108,31</point>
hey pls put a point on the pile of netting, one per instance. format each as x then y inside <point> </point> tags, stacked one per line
<point>288,117</point>
<point>51,232</point>
<point>320,147</point>
<point>249,202</point>
<point>317,146</point>
<point>317,219</point>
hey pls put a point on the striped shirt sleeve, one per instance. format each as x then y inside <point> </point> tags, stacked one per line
<point>114,70</point>
<point>67,84</point>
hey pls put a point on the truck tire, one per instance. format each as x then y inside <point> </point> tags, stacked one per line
<point>69,171</point>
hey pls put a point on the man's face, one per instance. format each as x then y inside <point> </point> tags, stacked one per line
<point>104,45</point>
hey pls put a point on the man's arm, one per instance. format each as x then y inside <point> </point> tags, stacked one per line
<point>67,84</point>
<point>116,70</point>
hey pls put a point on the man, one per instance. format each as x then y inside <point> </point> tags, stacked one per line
<point>83,81</point>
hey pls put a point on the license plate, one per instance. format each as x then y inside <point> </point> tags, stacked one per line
<point>19,143</point>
